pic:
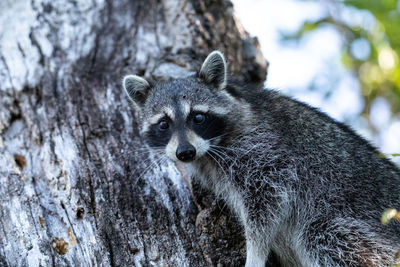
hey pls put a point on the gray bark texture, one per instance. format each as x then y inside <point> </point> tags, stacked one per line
<point>77,185</point>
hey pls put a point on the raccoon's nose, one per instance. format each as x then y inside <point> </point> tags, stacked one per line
<point>186,152</point>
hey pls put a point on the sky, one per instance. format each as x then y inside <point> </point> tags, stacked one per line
<point>315,59</point>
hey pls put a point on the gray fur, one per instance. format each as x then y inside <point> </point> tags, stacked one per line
<point>302,185</point>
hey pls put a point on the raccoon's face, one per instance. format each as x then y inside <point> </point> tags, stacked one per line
<point>185,116</point>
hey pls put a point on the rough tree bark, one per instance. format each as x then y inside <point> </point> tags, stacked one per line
<point>77,185</point>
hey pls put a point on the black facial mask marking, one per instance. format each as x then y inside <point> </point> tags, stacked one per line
<point>157,136</point>
<point>213,125</point>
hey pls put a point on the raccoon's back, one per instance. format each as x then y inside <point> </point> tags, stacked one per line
<point>327,155</point>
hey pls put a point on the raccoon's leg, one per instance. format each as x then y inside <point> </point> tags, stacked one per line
<point>256,253</point>
<point>257,249</point>
<point>259,240</point>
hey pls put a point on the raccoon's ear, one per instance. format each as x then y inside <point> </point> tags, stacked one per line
<point>136,88</point>
<point>214,70</point>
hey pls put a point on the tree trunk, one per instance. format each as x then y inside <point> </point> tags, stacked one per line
<point>77,185</point>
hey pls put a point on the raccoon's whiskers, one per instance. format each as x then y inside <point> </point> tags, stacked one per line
<point>231,149</point>
<point>155,162</point>
<point>224,161</point>
<point>216,161</point>
<point>219,150</point>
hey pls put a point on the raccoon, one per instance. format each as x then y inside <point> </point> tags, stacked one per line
<point>303,185</point>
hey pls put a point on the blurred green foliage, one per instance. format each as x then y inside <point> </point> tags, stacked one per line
<point>371,46</point>
<point>390,214</point>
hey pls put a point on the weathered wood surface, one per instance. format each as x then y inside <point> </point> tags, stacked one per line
<point>77,185</point>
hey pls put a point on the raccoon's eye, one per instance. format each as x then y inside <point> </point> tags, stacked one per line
<point>163,125</point>
<point>199,118</point>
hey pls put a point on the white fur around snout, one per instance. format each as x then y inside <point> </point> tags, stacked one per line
<point>199,144</point>
<point>170,149</point>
